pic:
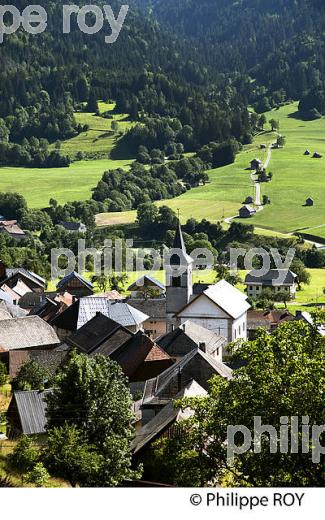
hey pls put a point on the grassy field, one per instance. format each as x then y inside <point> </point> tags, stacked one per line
<point>63,184</point>
<point>99,139</point>
<point>38,185</point>
<point>221,197</point>
<point>296,177</point>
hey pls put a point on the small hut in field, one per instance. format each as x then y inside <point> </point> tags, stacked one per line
<point>249,200</point>
<point>317,155</point>
<point>307,152</point>
<point>310,202</point>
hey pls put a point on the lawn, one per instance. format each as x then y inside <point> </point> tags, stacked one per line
<point>38,185</point>
<point>63,184</point>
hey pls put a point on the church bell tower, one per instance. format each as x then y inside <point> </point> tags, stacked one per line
<point>179,283</point>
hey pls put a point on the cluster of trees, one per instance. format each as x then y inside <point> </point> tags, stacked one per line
<point>89,423</point>
<point>215,155</point>
<point>120,190</point>
<point>280,372</point>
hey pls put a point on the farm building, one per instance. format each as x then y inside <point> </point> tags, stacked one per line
<point>310,202</point>
<point>246,212</point>
<point>317,155</point>
<point>256,164</point>
<point>27,413</point>
<point>249,200</point>
<point>307,152</point>
<point>275,279</point>
<point>75,284</point>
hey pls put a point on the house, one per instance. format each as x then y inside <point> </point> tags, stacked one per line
<point>156,324</point>
<point>51,360</point>
<point>317,155</point>
<point>51,305</point>
<point>139,357</point>
<point>246,211</point>
<point>189,336</point>
<point>145,287</point>
<point>75,284</point>
<point>74,227</point>
<point>256,164</point>
<point>83,310</point>
<point>10,311</point>
<point>196,365</point>
<point>12,229</point>
<point>221,308</point>
<point>165,422</point>
<point>27,332</point>
<point>310,202</point>
<point>32,281</point>
<point>268,320</point>
<point>276,279</point>
<point>4,297</point>
<point>27,413</point>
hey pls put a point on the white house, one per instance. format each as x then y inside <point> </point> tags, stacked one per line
<point>279,280</point>
<point>221,308</point>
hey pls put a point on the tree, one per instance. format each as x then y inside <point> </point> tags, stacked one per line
<point>114,125</point>
<point>281,375</point>
<point>25,455</point>
<point>147,214</point>
<point>69,456</point>
<point>275,125</point>
<point>92,395</point>
<point>281,140</point>
<point>31,376</point>
<point>223,273</point>
<point>262,121</point>
<point>92,104</point>
<point>102,282</point>
<point>117,281</point>
<point>303,276</point>
<point>3,374</point>
<point>38,475</point>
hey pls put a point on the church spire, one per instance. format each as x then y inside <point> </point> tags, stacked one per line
<point>179,240</point>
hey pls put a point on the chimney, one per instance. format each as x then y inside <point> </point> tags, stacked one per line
<point>203,347</point>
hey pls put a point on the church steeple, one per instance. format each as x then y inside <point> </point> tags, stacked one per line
<point>179,268</point>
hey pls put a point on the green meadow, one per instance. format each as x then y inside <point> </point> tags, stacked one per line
<point>38,185</point>
<point>296,177</point>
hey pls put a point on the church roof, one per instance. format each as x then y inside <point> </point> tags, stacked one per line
<point>178,251</point>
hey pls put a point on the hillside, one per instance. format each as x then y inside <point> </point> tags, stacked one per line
<point>296,178</point>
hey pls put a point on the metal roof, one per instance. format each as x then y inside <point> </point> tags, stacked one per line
<point>31,407</point>
<point>120,312</point>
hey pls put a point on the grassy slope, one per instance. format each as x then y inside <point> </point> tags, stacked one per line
<point>74,183</point>
<point>296,176</point>
<point>228,188</point>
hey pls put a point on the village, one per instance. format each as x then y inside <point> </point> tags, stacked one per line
<point>169,339</point>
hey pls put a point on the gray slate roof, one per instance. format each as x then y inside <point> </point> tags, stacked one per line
<point>31,407</point>
<point>274,277</point>
<point>28,274</point>
<point>5,297</point>
<point>195,365</point>
<point>166,417</point>
<point>187,337</point>
<point>13,310</point>
<point>26,332</point>
<point>120,312</point>
<point>155,308</point>
<point>146,281</point>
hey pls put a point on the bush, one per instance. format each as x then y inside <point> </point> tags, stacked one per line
<point>25,455</point>
<point>3,374</point>
<point>38,475</point>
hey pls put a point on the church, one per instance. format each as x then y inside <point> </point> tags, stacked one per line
<point>220,308</point>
